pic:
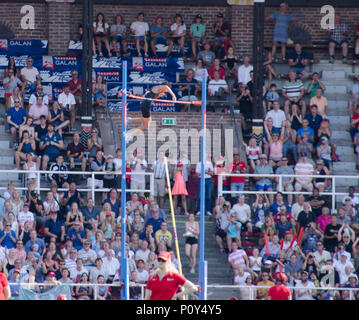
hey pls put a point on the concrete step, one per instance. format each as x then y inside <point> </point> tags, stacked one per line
<point>333,89</point>
<point>344,135</point>
<point>337,66</point>
<point>336,96</point>
<point>344,166</point>
<point>5,177</point>
<point>333,74</point>
<point>342,105</point>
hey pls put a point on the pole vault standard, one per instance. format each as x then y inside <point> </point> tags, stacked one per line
<point>124,261</point>
<point>125,292</point>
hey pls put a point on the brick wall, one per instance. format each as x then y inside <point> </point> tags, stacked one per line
<point>176,137</point>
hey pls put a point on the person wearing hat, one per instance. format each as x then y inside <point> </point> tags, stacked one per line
<point>221,32</point>
<point>14,284</point>
<point>178,33</point>
<point>324,152</point>
<point>351,284</point>
<point>279,291</point>
<point>197,33</point>
<point>159,35</point>
<point>165,281</point>
<point>140,30</point>
<point>280,34</point>
<point>305,289</point>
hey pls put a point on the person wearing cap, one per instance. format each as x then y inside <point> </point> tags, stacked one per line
<point>206,54</point>
<point>221,32</point>
<point>140,29</point>
<point>344,267</point>
<point>280,34</point>
<point>324,152</point>
<point>279,291</point>
<point>54,227</point>
<point>159,35</point>
<point>264,183</point>
<point>197,33</point>
<point>237,167</point>
<point>14,283</point>
<point>177,33</point>
<point>165,281</point>
<point>305,289</point>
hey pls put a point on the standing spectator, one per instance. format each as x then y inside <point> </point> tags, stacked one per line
<point>178,33</point>
<point>101,33</point>
<point>316,202</point>
<point>277,115</point>
<point>118,36</point>
<point>293,92</point>
<point>298,60</point>
<point>30,76</point>
<point>245,100</point>
<point>138,165</point>
<point>331,234</point>
<point>264,183</point>
<point>244,70</point>
<point>16,116</point>
<point>191,232</point>
<point>208,171</point>
<point>58,179</point>
<point>282,19</point>
<point>197,33</point>
<point>314,84</point>
<point>140,30</point>
<point>303,167</point>
<point>109,179</point>
<point>67,103</point>
<point>52,144</point>
<point>237,257</point>
<point>159,35</point>
<point>192,191</point>
<point>75,85</point>
<point>243,213</point>
<point>287,182</point>
<point>97,165</point>
<point>179,188</point>
<point>10,83</point>
<point>338,37</point>
<point>206,54</point>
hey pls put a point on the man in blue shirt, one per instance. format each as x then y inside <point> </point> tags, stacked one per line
<point>314,118</point>
<point>298,60</point>
<point>7,237</point>
<point>35,240</point>
<point>16,116</point>
<point>155,220</point>
<point>76,235</point>
<point>54,227</point>
<point>52,144</point>
<point>306,129</point>
<point>158,34</point>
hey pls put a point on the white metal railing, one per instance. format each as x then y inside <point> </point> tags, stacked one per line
<point>252,289</point>
<point>280,187</point>
<point>91,175</point>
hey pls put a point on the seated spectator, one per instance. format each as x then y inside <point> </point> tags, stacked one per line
<point>8,237</point>
<point>76,235</point>
<point>293,92</point>
<point>159,35</point>
<point>177,33</point>
<point>27,126</point>
<point>155,220</point>
<point>12,65</point>
<point>99,91</point>
<point>273,246</point>
<point>35,239</point>
<point>197,33</point>
<point>315,84</point>
<point>26,145</point>
<point>314,119</point>
<point>324,152</point>
<point>230,62</point>
<point>287,182</point>
<point>189,90</point>
<point>199,70</point>
<point>10,83</point>
<point>245,100</point>
<point>303,167</point>
<point>321,102</point>
<point>135,204</point>
<point>39,93</point>
<point>75,152</point>
<point>298,61</point>
<point>216,67</point>
<point>118,33</point>
<point>280,34</point>
<point>271,96</point>
<point>268,67</point>
<point>56,116</point>
<point>75,85</point>
<point>265,183</point>
<point>73,215</point>
<point>206,54</point>
<point>243,213</point>
<point>94,143</point>
<point>304,145</point>
<point>101,32</point>
<point>275,148</point>
<point>311,235</point>
<point>58,166</point>
<point>71,196</point>
<point>30,76</point>
<point>238,257</point>
<point>16,116</point>
<point>260,208</point>
<point>306,129</point>
<point>52,144</point>
<point>283,225</point>
<point>354,102</point>
<point>306,291</point>
<point>54,227</point>
<point>140,30</point>
<point>97,165</point>
<point>253,152</point>
<point>67,103</point>
<point>244,70</point>
<point>343,266</point>
<point>38,109</point>
<point>338,37</point>
<point>114,201</point>
<point>40,131</point>
<point>222,39</point>
<point>217,87</point>
<point>305,217</point>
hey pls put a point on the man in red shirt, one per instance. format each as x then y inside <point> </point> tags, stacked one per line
<point>354,124</point>
<point>236,167</point>
<point>76,88</point>
<point>216,67</point>
<point>5,292</point>
<point>280,291</point>
<point>165,281</point>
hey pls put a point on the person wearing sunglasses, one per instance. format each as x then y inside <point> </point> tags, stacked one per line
<point>39,93</point>
<point>165,281</point>
<point>197,33</point>
<point>30,75</point>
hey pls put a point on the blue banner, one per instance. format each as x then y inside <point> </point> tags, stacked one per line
<point>51,294</point>
<point>23,47</point>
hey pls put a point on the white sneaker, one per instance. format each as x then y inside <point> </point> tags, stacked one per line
<point>192,270</point>
<point>198,213</point>
<point>208,213</point>
<point>129,119</point>
<point>128,137</point>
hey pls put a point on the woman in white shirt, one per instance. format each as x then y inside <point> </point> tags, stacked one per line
<point>178,33</point>
<point>100,31</point>
<point>198,70</point>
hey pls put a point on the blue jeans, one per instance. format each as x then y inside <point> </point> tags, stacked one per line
<point>236,186</point>
<point>224,188</point>
<point>290,147</point>
<point>208,195</point>
<point>353,131</point>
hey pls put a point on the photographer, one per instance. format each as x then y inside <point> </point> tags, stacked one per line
<point>233,231</point>
<point>221,211</point>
